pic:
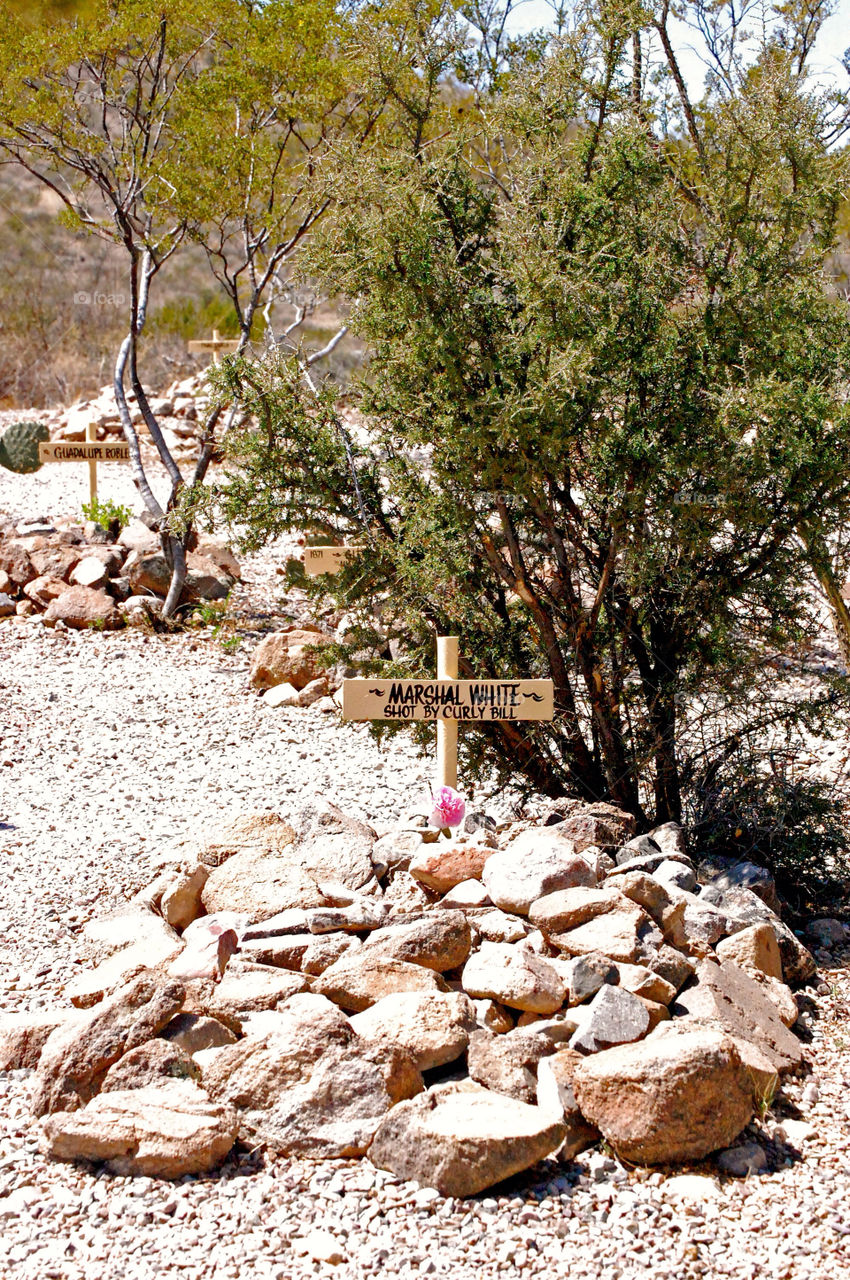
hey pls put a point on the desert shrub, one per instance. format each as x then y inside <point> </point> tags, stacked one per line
<point>605,395</point>
<point>769,809</point>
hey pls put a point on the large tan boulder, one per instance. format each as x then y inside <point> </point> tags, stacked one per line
<point>515,976</point>
<point>84,608</point>
<point>568,908</point>
<point>263,865</point>
<point>537,863</point>
<point>259,885</point>
<point>728,996</point>
<point>357,981</point>
<point>288,656</point>
<point>164,1131</point>
<point>462,1138</point>
<point>440,941</point>
<point>223,838</point>
<point>667,1099</point>
<point>77,1056</point>
<point>622,935</point>
<point>305,1084</point>
<point>433,1027</point>
<point>754,948</point>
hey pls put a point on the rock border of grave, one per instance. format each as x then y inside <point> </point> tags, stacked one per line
<point>83,578</point>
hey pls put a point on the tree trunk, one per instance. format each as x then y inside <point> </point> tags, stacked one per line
<point>668,799</point>
<point>175,555</point>
<point>821,562</point>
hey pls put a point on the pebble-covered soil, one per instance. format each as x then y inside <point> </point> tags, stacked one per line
<point>112,746</point>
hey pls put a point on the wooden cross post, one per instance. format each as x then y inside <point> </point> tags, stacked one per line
<point>447,663</point>
<point>91,438</point>
<point>214,344</point>
<point>448,702</point>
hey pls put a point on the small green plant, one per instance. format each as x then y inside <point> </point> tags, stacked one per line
<point>230,643</point>
<point>107,514</point>
<point>764,1093</point>
<point>209,613</point>
<point>97,624</point>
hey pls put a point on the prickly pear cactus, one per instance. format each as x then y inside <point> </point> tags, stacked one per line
<point>19,446</point>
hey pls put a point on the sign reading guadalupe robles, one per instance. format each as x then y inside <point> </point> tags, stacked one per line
<point>460,700</point>
<point>91,451</point>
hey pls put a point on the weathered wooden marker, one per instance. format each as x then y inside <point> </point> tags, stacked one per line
<point>215,344</point>
<point>91,451</point>
<point>327,559</point>
<point>449,702</point>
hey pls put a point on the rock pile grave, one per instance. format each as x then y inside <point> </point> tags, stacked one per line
<point>84,577</point>
<point>454,1009</point>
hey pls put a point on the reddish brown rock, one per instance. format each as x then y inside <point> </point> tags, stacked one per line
<point>288,655</point>
<point>461,1138</point>
<point>166,1131</point>
<point>668,1099</point>
<point>442,866</point>
<point>76,1056</point>
<point>82,608</point>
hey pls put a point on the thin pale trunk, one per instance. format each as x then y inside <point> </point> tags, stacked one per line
<point>821,562</point>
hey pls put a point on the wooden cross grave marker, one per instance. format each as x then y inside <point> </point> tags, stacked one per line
<point>215,344</point>
<point>91,451</point>
<point>448,702</point>
<point>327,559</point>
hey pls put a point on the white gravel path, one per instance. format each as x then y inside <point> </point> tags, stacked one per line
<point>111,746</point>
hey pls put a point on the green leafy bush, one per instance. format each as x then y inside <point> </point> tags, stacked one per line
<point>607,392</point>
<point>108,514</point>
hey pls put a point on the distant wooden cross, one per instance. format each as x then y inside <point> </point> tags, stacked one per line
<point>92,451</point>
<point>215,344</point>
<point>448,702</point>
<point>327,559</point>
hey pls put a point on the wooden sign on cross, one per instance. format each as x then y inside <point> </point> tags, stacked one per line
<point>448,702</point>
<point>215,344</point>
<point>326,559</point>
<point>92,451</point>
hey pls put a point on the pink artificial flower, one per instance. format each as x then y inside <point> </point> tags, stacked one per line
<point>449,808</point>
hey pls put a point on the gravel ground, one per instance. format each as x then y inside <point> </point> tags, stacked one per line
<point>114,745</point>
